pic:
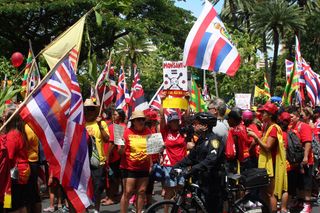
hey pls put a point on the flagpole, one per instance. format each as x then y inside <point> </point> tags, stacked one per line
<point>33,91</point>
<point>155,95</point>
<point>215,83</point>
<point>204,79</point>
<point>104,89</point>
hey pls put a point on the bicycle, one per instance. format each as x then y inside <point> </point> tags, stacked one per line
<point>250,202</point>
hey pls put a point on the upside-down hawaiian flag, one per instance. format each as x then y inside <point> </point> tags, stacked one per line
<point>208,45</point>
<point>55,113</point>
<point>312,83</point>
<point>155,102</point>
<point>104,93</point>
<point>122,92</point>
<point>137,100</point>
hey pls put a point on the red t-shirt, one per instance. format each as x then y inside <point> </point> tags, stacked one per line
<point>304,133</point>
<point>114,155</point>
<point>274,149</point>
<point>175,148</point>
<point>254,150</point>
<point>241,141</point>
<point>135,157</point>
<point>16,147</point>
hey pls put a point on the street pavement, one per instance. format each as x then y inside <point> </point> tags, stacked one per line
<point>116,207</point>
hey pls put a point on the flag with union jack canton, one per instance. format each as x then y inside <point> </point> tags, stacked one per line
<point>312,82</point>
<point>55,113</point>
<point>122,92</point>
<point>137,100</point>
<point>103,92</point>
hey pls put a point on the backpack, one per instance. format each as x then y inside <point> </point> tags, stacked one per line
<point>295,151</point>
<point>94,155</point>
<point>4,167</point>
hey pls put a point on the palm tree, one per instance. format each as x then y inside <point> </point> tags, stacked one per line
<point>275,18</point>
<point>132,48</point>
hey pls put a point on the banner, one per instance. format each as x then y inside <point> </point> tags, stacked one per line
<point>155,143</point>
<point>243,100</point>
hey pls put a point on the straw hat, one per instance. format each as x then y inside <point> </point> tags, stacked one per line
<point>89,103</point>
<point>137,114</point>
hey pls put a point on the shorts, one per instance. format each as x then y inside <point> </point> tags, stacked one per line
<point>18,195</point>
<point>115,166</point>
<point>168,182</point>
<point>292,182</point>
<point>98,181</point>
<point>32,193</point>
<point>304,181</point>
<point>134,174</point>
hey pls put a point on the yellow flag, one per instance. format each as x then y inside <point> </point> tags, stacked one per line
<point>258,91</point>
<point>69,39</point>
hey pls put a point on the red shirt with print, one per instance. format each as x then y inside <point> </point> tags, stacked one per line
<point>240,135</point>
<point>135,157</point>
<point>114,155</point>
<point>175,147</point>
<point>304,133</point>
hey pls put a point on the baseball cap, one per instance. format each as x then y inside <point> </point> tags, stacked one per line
<point>285,116</point>
<point>269,107</point>
<point>173,116</point>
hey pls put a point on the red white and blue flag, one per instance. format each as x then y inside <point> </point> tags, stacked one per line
<point>55,113</point>
<point>122,92</point>
<point>312,83</point>
<point>103,91</point>
<point>208,45</point>
<point>137,100</point>
<point>289,67</point>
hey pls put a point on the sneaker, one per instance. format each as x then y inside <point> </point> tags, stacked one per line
<point>64,209</point>
<point>49,209</point>
<point>306,208</point>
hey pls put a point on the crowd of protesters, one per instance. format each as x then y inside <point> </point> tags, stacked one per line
<point>126,174</point>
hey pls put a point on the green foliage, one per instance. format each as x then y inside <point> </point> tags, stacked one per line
<point>6,94</point>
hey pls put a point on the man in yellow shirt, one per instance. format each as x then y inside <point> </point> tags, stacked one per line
<point>99,134</point>
<point>33,193</point>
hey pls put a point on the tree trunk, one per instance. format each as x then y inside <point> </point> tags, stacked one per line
<point>265,54</point>
<point>233,10</point>
<point>275,59</point>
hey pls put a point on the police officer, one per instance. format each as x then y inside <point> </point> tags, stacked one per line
<point>206,159</point>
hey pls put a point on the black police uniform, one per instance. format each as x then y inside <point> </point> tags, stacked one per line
<point>206,159</point>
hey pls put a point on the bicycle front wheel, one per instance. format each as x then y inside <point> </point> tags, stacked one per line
<point>166,206</point>
<point>251,204</point>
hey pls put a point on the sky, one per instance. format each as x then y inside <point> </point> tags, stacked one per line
<point>195,6</point>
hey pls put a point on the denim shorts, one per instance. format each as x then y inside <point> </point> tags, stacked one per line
<point>168,182</point>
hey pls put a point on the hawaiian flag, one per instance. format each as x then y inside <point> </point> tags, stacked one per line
<point>208,45</point>
<point>289,67</point>
<point>155,102</point>
<point>122,92</point>
<point>299,69</point>
<point>312,83</point>
<point>103,92</point>
<point>55,113</point>
<point>137,100</point>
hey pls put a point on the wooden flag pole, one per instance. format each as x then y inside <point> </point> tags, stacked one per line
<point>216,84</point>
<point>35,89</point>
<point>155,95</point>
<point>104,89</point>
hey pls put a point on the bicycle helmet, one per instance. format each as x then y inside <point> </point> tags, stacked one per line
<point>206,118</point>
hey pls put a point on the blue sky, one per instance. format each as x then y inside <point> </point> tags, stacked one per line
<point>195,6</point>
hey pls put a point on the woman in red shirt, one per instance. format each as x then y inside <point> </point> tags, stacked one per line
<point>175,150</point>
<point>18,159</point>
<point>135,162</point>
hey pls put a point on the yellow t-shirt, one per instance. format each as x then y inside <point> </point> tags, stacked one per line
<point>32,144</point>
<point>94,131</point>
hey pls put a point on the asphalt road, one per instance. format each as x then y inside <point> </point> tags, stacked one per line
<point>116,208</point>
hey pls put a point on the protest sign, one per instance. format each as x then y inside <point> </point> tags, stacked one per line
<point>175,76</point>
<point>243,100</point>
<point>118,131</point>
<point>154,143</point>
